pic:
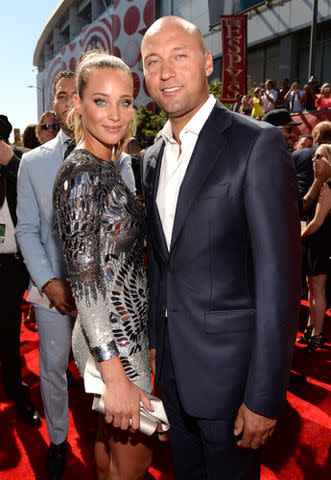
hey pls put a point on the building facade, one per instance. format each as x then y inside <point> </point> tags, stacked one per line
<point>278,36</point>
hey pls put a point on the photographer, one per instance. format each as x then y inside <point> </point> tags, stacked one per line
<point>295,96</point>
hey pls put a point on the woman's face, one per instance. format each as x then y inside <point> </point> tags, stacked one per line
<point>320,161</point>
<point>106,109</point>
<point>49,128</point>
<point>326,91</point>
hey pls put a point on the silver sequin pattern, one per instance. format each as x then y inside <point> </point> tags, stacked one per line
<point>103,231</point>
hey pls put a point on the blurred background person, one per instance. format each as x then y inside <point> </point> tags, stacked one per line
<point>309,185</point>
<point>304,141</point>
<point>246,105</point>
<point>269,96</point>
<point>13,280</point>
<point>29,137</point>
<point>47,127</point>
<point>323,99</point>
<point>282,119</point>
<point>237,104</point>
<point>317,252</point>
<point>281,102</point>
<point>295,97</point>
<point>257,104</point>
<point>310,91</point>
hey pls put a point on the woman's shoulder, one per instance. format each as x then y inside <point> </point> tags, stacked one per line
<point>79,168</point>
<point>79,162</point>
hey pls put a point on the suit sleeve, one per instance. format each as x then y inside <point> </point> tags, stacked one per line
<point>28,228</point>
<point>271,205</point>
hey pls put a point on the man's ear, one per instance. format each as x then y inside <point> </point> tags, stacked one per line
<point>209,67</point>
<point>77,103</point>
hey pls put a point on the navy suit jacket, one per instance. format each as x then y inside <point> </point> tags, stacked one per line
<point>230,283</point>
<point>303,165</point>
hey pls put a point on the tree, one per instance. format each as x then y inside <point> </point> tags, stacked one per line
<point>148,125</point>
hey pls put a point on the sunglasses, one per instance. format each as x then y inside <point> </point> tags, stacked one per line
<point>53,126</point>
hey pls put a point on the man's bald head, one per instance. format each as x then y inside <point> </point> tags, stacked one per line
<point>176,22</point>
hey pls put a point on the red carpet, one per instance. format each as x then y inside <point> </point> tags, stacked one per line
<point>299,450</point>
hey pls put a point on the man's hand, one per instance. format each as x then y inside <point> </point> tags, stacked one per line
<point>255,428</point>
<point>59,294</point>
<point>6,153</point>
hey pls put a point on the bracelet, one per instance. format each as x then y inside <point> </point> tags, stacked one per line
<point>47,283</point>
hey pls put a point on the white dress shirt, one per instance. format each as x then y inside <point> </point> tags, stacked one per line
<point>9,245</point>
<point>175,161</point>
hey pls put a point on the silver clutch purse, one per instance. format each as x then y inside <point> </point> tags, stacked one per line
<point>149,421</point>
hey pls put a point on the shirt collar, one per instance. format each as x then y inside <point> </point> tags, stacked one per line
<point>63,137</point>
<point>195,124</point>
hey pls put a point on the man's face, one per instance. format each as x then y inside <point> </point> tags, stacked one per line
<point>288,136</point>
<point>304,142</point>
<point>176,70</point>
<point>64,90</point>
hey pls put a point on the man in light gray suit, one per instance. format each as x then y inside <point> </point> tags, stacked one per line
<point>41,248</point>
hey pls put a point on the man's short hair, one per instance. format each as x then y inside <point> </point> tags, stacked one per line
<point>60,75</point>
<point>322,132</point>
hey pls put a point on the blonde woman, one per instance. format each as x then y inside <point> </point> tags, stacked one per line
<point>317,252</point>
<point>102,227</point>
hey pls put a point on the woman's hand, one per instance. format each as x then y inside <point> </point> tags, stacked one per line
<point>122,398</point>
<point>122,403</point>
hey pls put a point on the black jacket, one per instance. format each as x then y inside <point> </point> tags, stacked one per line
<point>8,177</point>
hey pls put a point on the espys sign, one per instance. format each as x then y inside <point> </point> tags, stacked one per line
<point>234,56</point>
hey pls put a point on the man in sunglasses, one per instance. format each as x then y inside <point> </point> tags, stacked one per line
<point>13,280</point>
<point>48,127</point>
<point>41,247</point>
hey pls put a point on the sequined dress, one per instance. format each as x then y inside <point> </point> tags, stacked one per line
<point>103,230</point>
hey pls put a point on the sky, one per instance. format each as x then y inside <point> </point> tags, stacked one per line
<point>22,23</point>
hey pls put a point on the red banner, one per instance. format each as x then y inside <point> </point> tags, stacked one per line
<point>234,56</point>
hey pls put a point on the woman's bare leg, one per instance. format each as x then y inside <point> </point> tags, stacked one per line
<point>131,454</point>
<point>121,455</point>
<point>317,302</point>
<point>101,451</point>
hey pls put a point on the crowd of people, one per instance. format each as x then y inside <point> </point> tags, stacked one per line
<point>290,96</point>
<point>221,220</point>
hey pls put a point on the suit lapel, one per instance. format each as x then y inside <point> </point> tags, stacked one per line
<point>151,185</point>
<point>207,152</point>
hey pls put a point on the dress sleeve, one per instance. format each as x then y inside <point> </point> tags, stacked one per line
<point>78,202</point>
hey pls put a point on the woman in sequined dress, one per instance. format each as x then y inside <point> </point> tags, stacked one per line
<point>102,226</point>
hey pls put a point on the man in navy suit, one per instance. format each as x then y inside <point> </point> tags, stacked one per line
<point>221,202</point>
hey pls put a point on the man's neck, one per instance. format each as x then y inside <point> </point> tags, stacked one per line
<point>69,133</point>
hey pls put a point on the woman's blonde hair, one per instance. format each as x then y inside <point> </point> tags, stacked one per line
<point>91,61</point>
<point>327,149</point>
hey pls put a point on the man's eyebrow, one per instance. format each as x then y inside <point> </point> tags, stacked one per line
<point>175,49</point>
